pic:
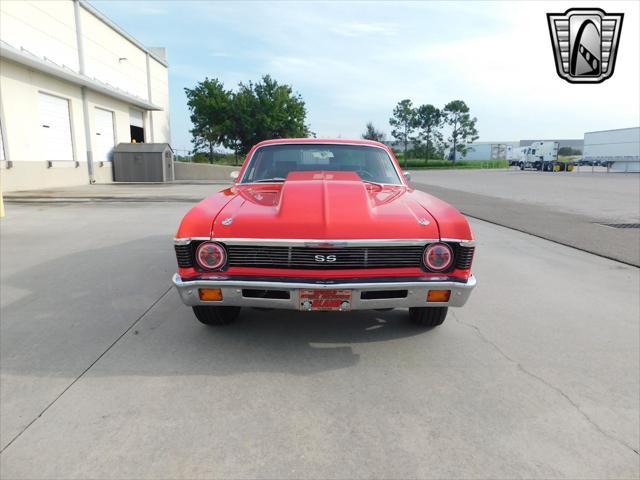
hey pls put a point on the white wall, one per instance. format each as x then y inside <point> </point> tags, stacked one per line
<point>44,28</point>
<point>111,58</point>
<point>47,29</point>
<point>159,75</point>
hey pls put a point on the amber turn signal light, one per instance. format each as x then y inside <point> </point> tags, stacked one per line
<point>210,294</point>
<point>438,295</point>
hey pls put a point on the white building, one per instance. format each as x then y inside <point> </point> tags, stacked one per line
<point>73,85</point>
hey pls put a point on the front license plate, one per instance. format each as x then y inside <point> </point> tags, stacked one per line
<point>325,300</point>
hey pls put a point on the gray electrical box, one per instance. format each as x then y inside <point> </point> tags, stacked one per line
<point>143,162</point>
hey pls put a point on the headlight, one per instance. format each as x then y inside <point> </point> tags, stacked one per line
<point>438,257</point>
<point>210,255</point>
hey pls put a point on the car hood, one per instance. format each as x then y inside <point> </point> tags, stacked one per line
<point>324,205</point>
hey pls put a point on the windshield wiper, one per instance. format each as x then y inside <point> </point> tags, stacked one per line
<point>266,180</point>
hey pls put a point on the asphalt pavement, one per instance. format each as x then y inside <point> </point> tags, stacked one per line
<point>578,209</point>
<point>105,374</point>
<point>606,197</point>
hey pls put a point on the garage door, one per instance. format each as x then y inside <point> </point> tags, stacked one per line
<point>55,126</point>
<point>105,138</point>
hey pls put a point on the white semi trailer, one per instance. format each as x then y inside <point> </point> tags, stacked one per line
<point>618,149</point>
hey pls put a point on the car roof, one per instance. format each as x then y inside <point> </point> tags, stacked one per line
<point>320,141</point>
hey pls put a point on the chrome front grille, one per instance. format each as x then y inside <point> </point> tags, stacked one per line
<point>324,258</point>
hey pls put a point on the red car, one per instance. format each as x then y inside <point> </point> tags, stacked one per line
<point>315,224</point>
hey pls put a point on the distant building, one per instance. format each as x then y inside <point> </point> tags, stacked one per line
<point>72,85</point>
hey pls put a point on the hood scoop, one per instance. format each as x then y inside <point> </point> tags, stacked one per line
<point>324,205</point>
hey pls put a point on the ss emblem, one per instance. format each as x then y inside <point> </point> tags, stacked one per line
<point>325,258</point>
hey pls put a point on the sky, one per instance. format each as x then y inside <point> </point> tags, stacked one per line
<point>352,62</point>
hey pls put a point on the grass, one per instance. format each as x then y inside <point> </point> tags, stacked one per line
<point>421,164</point>
<point>218,159</point>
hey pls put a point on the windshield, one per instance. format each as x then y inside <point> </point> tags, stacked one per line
<point>274,162</point>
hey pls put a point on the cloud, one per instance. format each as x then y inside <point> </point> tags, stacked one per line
<point>146,8</point>
<point>358,29</point>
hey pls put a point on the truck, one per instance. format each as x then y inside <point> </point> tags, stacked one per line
<point>542,156</point>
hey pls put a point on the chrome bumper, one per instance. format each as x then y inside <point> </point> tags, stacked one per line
<point>232,292</point>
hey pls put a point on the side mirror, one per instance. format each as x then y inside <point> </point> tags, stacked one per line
<point>407,175</point>
<point>234,175</point>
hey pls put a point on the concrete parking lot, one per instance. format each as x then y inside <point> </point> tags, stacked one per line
<point>606,197</point>
<point>576,209</point>
<point>105,374</point>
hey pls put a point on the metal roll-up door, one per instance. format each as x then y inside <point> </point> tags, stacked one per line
<point>55,126</point>
<point>136,118</point>
<point>136,125</point>
<point>105,136</point>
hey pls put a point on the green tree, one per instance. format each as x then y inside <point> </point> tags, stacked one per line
<point>265,110</point>
<point>463,127</point>
<point>371,133</point>
<point>210,106</point>
<point>429,120</point>
<point>238,120</point>
<point>403,123</point>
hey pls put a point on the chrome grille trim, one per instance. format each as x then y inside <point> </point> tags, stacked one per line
<point>188,240</point>
<point>321,243</point>
<point>352,254</point>
<point>462,242</point>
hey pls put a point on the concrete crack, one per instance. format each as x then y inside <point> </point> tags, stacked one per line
<point>520,367</point>
<point>128,329</point>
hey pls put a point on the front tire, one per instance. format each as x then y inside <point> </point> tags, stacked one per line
<point>216,315</point>
<point>428,316</point>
